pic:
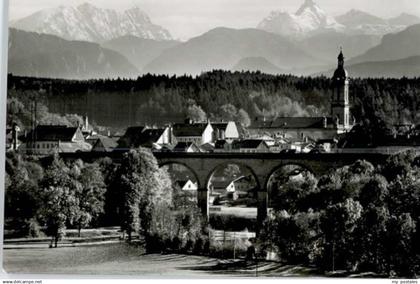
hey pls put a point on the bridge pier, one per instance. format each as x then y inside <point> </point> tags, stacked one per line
<point>203,202</point>
<point>262,199</point>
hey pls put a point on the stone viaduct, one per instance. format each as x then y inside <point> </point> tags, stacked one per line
<point>261,165</point>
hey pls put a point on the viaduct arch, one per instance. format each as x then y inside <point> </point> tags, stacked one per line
<point>262,165</point>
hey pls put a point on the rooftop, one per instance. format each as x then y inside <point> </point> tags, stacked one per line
<point>189,130</point>
<point>55,133</point>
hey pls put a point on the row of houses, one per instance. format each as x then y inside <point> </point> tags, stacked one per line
<point>180,137</point>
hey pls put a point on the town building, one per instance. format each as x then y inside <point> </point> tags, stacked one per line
<point>198,133</point>
<point>141,136</point>
<point>187,185</point>
<point>49,139</point>
<point>225,131</point>
<point>251,146</point>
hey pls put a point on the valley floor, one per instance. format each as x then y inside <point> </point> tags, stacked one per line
<point>122,259</point>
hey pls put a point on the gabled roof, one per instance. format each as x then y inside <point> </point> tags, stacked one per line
<point>74,147</point>
<point>105,142</point>
<point>189,130</point>
<point>251,143</point>
<point>148,137</point>
<point>220,184</point>
<point>130,136</point>
<point>182,183</point>
<point>207,147</point>
<point>220,125</point>
<point>54,133</point>
<point>294,122</point>
<point>134,130</point>
<point>184,146</point>
<point>137,136</point>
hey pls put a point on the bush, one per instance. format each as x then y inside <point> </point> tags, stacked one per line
<point>176,244</point>
<point>34,229</point>
<point>154,244</point>
<point>232,223</point>
<point>198,246</point>
<point>189,246</point>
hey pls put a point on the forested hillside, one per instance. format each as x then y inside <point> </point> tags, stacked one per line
<point>217,95</point>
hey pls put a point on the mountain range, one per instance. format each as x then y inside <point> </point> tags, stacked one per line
<point>89,23</point>
<point>310,19</point>
<point>88,42</point>
<point>222,48</point>
<point>42,55</point>
<point>393,46</point>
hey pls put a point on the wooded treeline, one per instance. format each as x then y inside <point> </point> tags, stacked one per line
<point>159,99</point>
<point>357,218</point>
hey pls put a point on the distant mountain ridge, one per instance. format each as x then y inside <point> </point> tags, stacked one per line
<point>359,22</point>
<point>139,51</point>
<point>406,67</point>
<point>326,45</point>
<point>393,47</point>
<point>257,64</point>
<point>43,55</point>
<point>222,48</point>
<point>89,23</point>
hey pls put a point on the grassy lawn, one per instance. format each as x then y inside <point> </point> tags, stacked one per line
<point>122,259</point>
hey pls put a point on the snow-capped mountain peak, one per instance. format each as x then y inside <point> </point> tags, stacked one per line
<point>308,5</point>
<point>90,23</point>
<point>308,19</point>
<point>360,22</point>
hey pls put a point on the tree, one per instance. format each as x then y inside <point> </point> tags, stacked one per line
<point>228,112</point>
<point>90,195</point>
<point>374,192</point>
<point>400,250</point>
<point>294,237</point>
<point>196,113</point>
<point>370,237</point>
<point>231,171</point>
<point>176,222</point>
<point>22,200</point>
<point>143,185</point>
<point>243,118</point>
<point>292,192</point>
<point>58,193</point>
<point>398,165</point>
<point>338,223</point>
<point>113,196</point>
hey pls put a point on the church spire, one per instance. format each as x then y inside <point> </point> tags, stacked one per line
<point>341,58</point>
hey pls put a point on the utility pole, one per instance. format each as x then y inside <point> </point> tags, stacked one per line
<point>333,253</point>
<point>234,245</point>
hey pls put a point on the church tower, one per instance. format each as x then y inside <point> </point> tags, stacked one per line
<point>340,107</point>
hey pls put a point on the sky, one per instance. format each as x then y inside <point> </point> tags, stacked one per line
<point>188,18</point>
